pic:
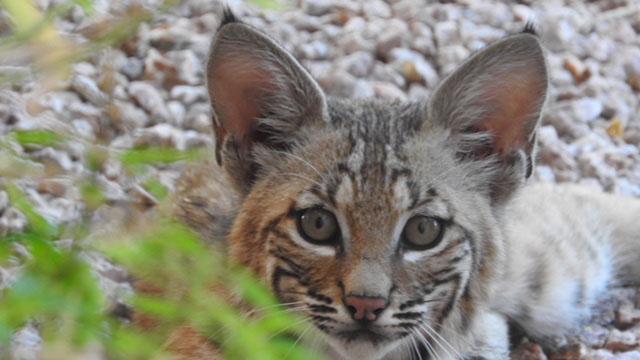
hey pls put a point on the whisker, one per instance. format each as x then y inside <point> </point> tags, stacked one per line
<point>302,177</point>
<point>415,347</point>
<point>304,162</point>
<point>298,340</point>
<point>287,328</point>
<point>434,335</point>
<point>246,315</point>
<point>426,343</point>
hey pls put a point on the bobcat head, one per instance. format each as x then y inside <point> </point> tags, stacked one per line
<point>377,217</point>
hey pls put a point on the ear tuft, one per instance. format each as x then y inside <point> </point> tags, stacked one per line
<point>530,28</point>
<point>228,17</point>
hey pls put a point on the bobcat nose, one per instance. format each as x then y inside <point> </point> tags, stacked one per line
<point>365,308</point>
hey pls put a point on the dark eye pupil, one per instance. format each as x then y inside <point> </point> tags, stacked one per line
<point>319,222</point>
<point>422,227</point>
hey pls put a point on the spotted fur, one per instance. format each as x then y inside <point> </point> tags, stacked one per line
<point>537,255</point>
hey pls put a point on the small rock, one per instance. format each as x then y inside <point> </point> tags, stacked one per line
<point>150,99</point>
<point>12,221</point>
<point>362,90</point>
<point>377,9</point>
<point>130,116</point>
<point>188,67</point>
<point>160,135</point>
<point>55,187</point>
<point>89,90</point>
<point>315,50</point>
<point>621,341</point>
<point>4,201</point>
<point>26,344</point>
<point>189,94</point>
<point>528,351</point>
<point>395,36</point>
<point>419,92</point>
<point>446,33</point>
<point>450,56</point>
<point>413,66</point>
<point>353,42</point>
<point>627,315</point>
<point>592,165</point>
<point>338,83</point>
<point>319,7</point>
<point>554,153</point>
<point>177,111</point>
<point>388,91</point>
<point>587,109</point>
<point>358,64</point>
<point>132,68</point>
<point>577,69</point>
<point>569,352</point>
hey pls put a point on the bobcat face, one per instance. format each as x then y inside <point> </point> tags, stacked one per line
<point>374,219</point>
<point>366,230</point>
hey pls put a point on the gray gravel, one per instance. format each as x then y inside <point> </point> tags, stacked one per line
<point>150,91</point>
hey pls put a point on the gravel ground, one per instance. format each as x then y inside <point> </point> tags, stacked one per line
<point>150,91</point>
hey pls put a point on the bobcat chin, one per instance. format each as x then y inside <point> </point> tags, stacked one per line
<point>405,228</point>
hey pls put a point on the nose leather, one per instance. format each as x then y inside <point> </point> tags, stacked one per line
<point>365,308</point>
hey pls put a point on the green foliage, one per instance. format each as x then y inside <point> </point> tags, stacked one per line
<point>57,288</point>
<point>136,158</point>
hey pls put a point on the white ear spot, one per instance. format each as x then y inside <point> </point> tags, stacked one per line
<point>402,194</point>
<point>344,194</point>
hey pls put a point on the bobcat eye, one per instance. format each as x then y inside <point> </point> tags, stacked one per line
<point>318,225</point>
<point>422,232</point>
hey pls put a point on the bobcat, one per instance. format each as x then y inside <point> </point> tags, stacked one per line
<point>404,227</point>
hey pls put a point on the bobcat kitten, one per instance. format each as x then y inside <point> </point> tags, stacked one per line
<point>403,227</point>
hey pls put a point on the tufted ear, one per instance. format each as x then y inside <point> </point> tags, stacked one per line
<point>260,95</point>
<point>493,102</point>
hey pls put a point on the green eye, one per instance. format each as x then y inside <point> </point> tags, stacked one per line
<point>318,226</point>
<point>422,232</point>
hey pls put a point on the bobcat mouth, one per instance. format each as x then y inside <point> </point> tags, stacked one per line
<point>362,334</point>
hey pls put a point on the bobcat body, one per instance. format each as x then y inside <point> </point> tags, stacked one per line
<point>404,229</point>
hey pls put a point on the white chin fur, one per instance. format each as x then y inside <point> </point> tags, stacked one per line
<point>360,350</point>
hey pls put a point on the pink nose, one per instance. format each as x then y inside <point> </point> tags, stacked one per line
<point>365,308</point>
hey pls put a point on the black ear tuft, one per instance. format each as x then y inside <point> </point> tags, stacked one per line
<point>530,28</point>
<point>228,17</point>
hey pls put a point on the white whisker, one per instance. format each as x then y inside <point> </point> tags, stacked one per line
<point>302,177</point>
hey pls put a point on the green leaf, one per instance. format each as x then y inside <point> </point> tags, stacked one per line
<point>37,223</point>
<point>86,5</point>
<point>37,137</point>
<point>156,156</point>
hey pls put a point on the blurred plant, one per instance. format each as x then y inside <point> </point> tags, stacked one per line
<point>57,289</point>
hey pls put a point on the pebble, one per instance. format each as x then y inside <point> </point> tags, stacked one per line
<point>26,344</point>
<point>188,66</point>
<point>12,221</point>
<point>177,111</point>
<point>358,64</point>
<point>189,94</point>
<point>388,91</point>
<point>150,99</point>
<point>4,201</point>
<point>413,66</point>
<point>89,90</point>
<point>319,7</point>
<point>132,68</point>
<point>591,165</point>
